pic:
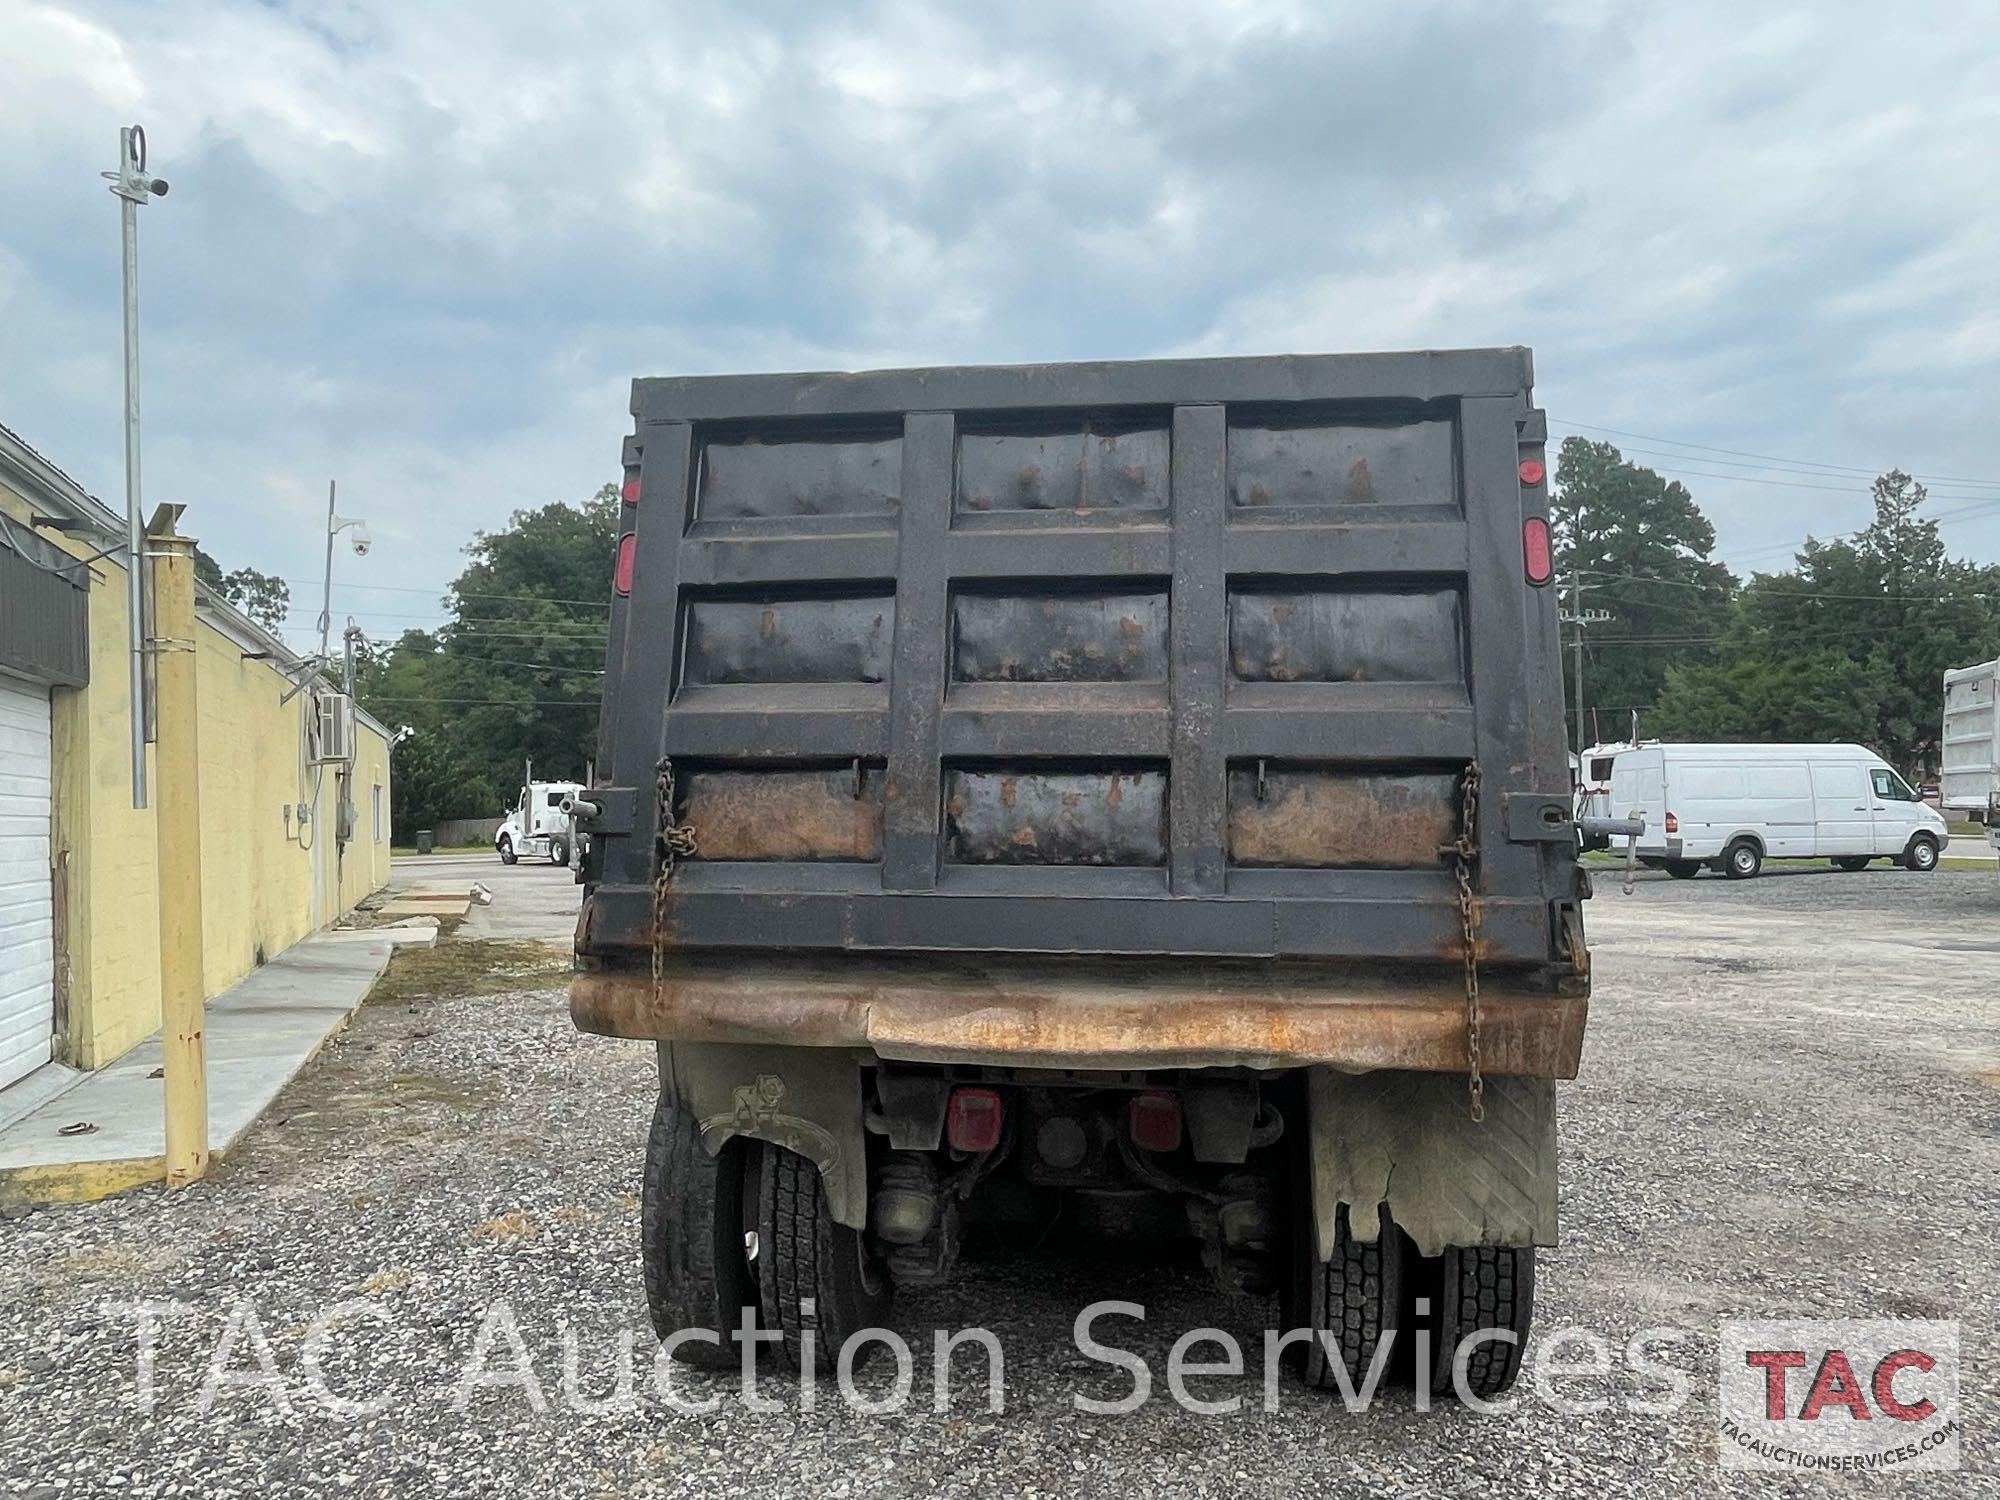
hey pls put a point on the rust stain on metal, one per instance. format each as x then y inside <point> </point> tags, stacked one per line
<point>1360,483</point>
<point>763,815</point>
<point>1340,819</point>
<point>1190,1015</point>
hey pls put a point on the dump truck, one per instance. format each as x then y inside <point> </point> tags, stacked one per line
<point>1121,798</point>
<point>1969,782</point>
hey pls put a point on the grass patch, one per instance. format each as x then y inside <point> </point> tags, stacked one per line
<point>453,970</point>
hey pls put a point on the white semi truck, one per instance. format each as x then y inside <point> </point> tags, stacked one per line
<point>539,825</point>
<point>1969,784</point>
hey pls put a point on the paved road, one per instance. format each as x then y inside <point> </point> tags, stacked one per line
<point>1787,1108</point>
<point>532,899</point>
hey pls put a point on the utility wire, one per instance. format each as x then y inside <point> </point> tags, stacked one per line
<point>1805,464</point>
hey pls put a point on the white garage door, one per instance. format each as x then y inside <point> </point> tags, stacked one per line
<point>27,919</point>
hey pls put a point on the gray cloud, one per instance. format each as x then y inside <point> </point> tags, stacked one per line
<point>426,247</point>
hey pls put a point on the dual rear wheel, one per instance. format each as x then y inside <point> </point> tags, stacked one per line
<point>749,1231</point>
<point>1367,1306</point>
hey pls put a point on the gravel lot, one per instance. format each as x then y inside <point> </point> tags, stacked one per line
<point>1787,1108</point>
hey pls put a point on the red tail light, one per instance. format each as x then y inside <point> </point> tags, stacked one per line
<point>621,575</point>
<point>1155,1118</point>
<point>1673,824</point>
<point>972,1121</point>
<point>1533,472</point>
<point>1537,554</point>
<point>630,493</point>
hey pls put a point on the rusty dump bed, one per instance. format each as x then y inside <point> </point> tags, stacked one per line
<point>1181,658</point>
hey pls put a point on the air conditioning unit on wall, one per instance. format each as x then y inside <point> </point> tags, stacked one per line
<point>332,741</point>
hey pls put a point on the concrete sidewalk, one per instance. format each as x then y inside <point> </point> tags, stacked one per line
<point>260,1033</point>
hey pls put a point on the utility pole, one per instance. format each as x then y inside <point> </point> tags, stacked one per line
<point>1581,619</point>
<point>132,186</point>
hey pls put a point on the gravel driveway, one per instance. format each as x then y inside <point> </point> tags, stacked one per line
<point>1787,1108</point>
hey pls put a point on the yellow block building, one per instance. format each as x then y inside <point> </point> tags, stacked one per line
<point>287,844</point>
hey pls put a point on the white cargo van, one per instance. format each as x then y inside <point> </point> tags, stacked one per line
<point>1731,807</point>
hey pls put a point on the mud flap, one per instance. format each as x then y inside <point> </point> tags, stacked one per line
<point>806,1099</point>
<point>1405,1139</point>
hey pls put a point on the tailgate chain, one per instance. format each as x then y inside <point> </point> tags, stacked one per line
<point>675,841</point>
<point>1463,852</point>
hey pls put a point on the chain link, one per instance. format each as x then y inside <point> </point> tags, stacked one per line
<point>1463,852</point>
<point>674,842</point>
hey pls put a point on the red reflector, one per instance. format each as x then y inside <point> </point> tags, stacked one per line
<point>1536,552</point>
<point>630,493</point>
<point>1673,824</point>
<point>621,576</point>
<point>1155,1119</point>
<point>972,1122</point>
<point>1532,472</point>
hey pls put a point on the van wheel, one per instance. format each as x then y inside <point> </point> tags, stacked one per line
<point>1922,855</point>
<point>1683,869</point>
<point>1355,1299</point>
<point>691,1239</point>
<point>813,1274</point>
<point>1483,1289</point>
<point>506,848</point>
<point>1851,862</point>
<point>1742,860</point>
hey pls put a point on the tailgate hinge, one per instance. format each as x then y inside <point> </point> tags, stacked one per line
<point>1538,818</point>
<point>615,805</point>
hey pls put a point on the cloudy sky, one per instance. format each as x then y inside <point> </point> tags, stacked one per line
<point>425,247</point>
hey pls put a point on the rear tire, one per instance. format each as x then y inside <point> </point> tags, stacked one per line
<point>1922,855</point>
<point>558,852</point>
<point>1683,869</point>
<point>1483,1287</point>
<point>1742,860</point>
<point>691,1238</point>
<point>1850,862</point>
<point>804,1257</point>
<point>506,848</point>
<point>1356,1298</point>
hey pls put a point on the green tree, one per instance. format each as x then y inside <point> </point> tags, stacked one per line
<point>1851,644</point>
<point>517,672</point>
<point>1636,546</point>
<point>263,597</point>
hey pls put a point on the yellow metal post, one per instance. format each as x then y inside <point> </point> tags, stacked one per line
<point>178,829</point>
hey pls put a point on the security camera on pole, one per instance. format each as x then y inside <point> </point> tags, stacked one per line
<point>177,819</point>
<point>133,186</point>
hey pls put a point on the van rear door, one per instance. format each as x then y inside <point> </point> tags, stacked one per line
<point>1842,821</point>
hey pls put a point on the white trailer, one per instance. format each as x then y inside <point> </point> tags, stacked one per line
<point>1969,782</point>
<point>1731,807</point>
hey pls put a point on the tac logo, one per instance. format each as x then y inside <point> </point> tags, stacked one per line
<point>1839,1396</point>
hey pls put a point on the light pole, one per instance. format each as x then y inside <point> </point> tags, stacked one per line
<point>335,524</point>
<point>131,185</point>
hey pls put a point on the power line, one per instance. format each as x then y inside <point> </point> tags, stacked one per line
<point>394,588</point>
<point>1802,464</point>
<point>1681,583</point>
<point>368,698</point>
